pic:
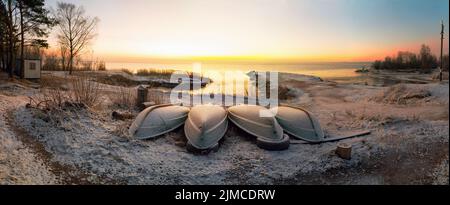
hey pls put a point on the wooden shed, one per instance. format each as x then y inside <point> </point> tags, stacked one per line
<point>32,68</point>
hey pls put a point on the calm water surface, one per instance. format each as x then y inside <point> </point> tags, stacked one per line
<point>339,72</point>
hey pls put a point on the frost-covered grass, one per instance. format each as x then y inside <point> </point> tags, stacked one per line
<point>405,136</point>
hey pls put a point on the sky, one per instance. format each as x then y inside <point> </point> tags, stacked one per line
<point>262,30</point>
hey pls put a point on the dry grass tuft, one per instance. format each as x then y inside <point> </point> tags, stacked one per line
<point>116,80</point>
<point>54,82</point>
<point>121,130</point>
<point>85,91</point>
<point>156,96</point>
<point>82,92</point>
<point>124,98</point>
<point>160,73</point>
<point>401,95</point>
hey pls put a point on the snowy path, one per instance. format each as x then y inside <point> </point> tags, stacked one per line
<point>18,163</point>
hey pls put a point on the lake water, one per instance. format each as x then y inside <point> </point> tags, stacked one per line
<point>339,72</point>
<point>322,70</point>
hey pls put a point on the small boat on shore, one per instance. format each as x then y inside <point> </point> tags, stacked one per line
<point>157,120</point>
<point>205,126</point>
<point>269,133</point>
<point>299,123</point>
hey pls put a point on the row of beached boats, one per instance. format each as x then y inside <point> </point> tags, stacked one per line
<point>206,125</point>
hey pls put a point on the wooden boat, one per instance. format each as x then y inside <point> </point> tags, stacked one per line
<point>157,120</point>
<point>269,133</point>
<point>205,126</point>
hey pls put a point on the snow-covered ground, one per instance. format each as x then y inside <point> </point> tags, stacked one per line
<point>18,163</point>
<point>408,144</point>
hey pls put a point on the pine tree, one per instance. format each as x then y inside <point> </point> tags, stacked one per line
<point>35,23</point>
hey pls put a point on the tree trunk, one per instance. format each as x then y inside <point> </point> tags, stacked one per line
<point>63,59</point>
<point>10,39</point>
<point>22,41</point>
<point>71,61</point>
<point>2,53</point>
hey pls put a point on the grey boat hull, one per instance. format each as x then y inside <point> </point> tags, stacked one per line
<point>205,126</point>
<point>267,130</point>
<point>299,123</point>
<point>158,120</point>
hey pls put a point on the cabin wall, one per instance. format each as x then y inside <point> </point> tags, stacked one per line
<point>32,69</point>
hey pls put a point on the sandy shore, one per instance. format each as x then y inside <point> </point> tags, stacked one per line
<point>408,144</point>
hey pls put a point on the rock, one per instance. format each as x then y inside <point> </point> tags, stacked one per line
<point>122,116</point>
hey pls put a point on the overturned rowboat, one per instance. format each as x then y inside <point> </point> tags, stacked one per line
<point>269,133</point>
<point>205,126</point>
<point>301,124</point>
<point>158,120</point>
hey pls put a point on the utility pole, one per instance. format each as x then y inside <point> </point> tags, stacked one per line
<point>442,48</point>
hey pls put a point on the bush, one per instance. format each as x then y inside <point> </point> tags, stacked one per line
<point>51,62</point>
<point>124,98</point>
<point>101,66</point>
<point>155,72</point>
<point>85,91</point>
<point>50,99</point>
<point>156,96</point>
<point>401,94</point>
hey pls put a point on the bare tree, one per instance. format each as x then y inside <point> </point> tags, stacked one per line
<point>76,30</point>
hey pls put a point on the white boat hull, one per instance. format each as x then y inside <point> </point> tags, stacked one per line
<point>267,130</point>
<point>299,123</point>
<point>205,126</point>
<point>158,120</point>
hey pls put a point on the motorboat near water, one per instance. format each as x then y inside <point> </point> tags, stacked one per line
<point>157,120</point>
<point>268,131</point>
<point>205,126</point>
<point>301,124</point>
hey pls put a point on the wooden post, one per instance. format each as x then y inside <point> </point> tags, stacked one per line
<point>344,150</point>
<point>442,48</point>
<point>141,95</point>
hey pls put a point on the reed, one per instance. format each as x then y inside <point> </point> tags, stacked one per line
<point>153,72</point>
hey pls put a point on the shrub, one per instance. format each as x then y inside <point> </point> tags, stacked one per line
<point>51,62</point>
<point>101,66</point>
<point>85,91</point>
<point>156,96</point>
<point>124,98</point>
<point>162,73</point>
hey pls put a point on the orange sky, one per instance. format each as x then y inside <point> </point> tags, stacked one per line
<point>281,31</point>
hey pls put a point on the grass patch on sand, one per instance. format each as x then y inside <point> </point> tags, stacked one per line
<point>116,80</point>
<point>160,73</point>
<point>401,95</point>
